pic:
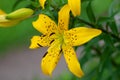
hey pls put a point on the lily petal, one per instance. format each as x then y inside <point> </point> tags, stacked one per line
<point>80,35</point>
<point>63,19</point>
<point>42,3</point>
<point>40,41</point>
<point>45,25</point>
<point>75,6</point>
<point>72,61</point>
<point>51,58</point>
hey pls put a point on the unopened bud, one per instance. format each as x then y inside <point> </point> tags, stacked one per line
<point>20,14</point>
<point>7,23</point>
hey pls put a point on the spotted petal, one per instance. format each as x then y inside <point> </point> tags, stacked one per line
<point>81,35</point>
<point>51,58</point>
<point>42,3</point>
<point>45,25</point>
<point>75,6</point>
<point>63,19</point>
<point>39,41</point>
<point>71,60</point>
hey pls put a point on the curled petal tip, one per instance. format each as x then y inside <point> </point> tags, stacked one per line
<point>97,31</point>
<point>81,74</point>
<point>42,3</point>
<point>75,6</point>
<point>100,31</point>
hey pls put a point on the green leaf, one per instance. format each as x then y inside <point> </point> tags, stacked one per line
<point>108,41</point>
<point>58,3</point>
<point>88,66</point>
<point>17,3</point>
<point>105,58</point>
<point>116,57</point>
<point>110,21</point>
<point>103,20</point>
<point>100,6</point>
<point>90,76</point>
<point>90,13</point>
<point>114,8</point>
<point>21,3</point>
<point>114,28</point>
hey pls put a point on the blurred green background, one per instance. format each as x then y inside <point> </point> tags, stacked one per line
<point>17,35</point>
<point>99,58</point>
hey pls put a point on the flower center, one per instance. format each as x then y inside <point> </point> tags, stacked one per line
<point>60,37</point>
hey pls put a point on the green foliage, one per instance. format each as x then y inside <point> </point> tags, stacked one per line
<point>100,6</point>
<point>90,13</point>
<point>101,56</point>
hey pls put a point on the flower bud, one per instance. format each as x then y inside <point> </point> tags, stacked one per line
<point>7,23</point>
<point>20,14</point>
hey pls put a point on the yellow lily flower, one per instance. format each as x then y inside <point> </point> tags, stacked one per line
<point>75,6</point>
<point>60,39</point>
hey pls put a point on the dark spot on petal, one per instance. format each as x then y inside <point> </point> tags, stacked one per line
<point>60,51</point>
<point>52,41</point>
<point>75,35</point>
<point>52,33</point>
<point>39,45</point>
<point>55,62</point>
<point>45,54</point>
<point>49,54</point>
<point>44,35</point>
<point>48,60</point>
<point>44,17</point>
<point>69,59</point>
<point>75,39</point>
<point>49,26</point>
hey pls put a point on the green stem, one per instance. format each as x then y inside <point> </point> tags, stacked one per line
<point>85,22</point>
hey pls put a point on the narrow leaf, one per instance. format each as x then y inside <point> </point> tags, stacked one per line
<point>90,13</point>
